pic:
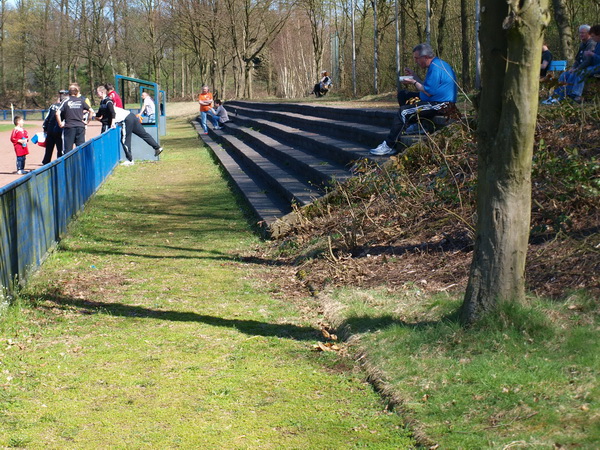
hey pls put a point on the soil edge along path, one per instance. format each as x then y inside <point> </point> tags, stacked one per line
<point>146,329</point>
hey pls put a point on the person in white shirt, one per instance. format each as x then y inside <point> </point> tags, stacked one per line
<point>148,114</point>
<point>131,124</point>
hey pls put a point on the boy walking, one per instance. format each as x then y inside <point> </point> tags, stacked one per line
<point>19,140</point>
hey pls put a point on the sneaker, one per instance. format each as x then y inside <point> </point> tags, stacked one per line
<point>206,132</point>
<point>383,149</point>
<point>217,128</point>
<point>158,151</point>
<point>127,163</point>
<point>21,172</point>
<point>550,101</point>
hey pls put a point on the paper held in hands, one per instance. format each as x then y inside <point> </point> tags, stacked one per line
<point>406,78</point>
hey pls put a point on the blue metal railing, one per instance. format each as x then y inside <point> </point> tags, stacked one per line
<point>36,209</point>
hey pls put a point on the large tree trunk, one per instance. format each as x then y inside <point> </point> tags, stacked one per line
<point>564,29</point>
<point>511,41</point>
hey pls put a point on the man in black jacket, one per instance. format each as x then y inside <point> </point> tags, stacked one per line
<point>53,131</point>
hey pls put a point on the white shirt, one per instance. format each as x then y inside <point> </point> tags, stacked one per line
<point>121,114</point>
<point>148,107</point>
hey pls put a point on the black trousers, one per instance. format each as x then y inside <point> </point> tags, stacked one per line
<point>408,114</point>
<point>132,125</point>
<point>53,139</point>
<point>70,136</point>
<point>318,91</point>
<point>404,96</point>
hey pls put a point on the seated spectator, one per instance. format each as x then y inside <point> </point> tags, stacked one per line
<point>592,65</point>
<point>323,86</point>
<point>219,115</point>
<point>570,78</point>
<point>436,93</point>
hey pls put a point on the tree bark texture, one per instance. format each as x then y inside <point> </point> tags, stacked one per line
<point>511,40</point>
<point>466,41</point>
<point>564,29</point>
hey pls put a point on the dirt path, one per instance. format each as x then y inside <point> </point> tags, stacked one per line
<point>8,171</point>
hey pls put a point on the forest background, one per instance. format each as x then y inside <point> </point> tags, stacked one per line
<point>241,48</point>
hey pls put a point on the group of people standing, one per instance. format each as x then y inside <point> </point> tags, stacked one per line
<point>67,119</point>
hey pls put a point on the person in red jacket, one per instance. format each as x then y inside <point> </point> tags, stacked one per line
<point>112,94</point>
<point>19,139</point>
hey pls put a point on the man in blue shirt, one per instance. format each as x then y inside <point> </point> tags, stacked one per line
<point>433,95</point>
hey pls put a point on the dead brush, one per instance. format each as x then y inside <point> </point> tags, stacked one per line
<point>381,203</point>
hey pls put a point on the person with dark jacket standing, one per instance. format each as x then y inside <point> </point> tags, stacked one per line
<point>106,110</point>
<point>53,131</point>
<point>70,117</point>
<point>546,60</point>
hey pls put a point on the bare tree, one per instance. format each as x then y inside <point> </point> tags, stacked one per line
<point>564,28</point>
<point>2,58</point>
<point>317,17</point>
<point>511,41</point>
<point>254,25</point>
<point>465,37</point>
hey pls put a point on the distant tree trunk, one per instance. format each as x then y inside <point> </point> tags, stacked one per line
<point>2,74</point>
<point>375,49</point>
<point>511,41</point>
<point>315,10</point>
<point>466,47</point>
<point>441,26</point>
<point>564,28</point>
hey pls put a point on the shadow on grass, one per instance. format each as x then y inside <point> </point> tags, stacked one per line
<point>368,324</point>
<point>250,327</point>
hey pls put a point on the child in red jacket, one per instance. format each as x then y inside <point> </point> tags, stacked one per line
<point>19,139</point>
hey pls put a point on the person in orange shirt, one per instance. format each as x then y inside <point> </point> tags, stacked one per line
<point>205,99</point>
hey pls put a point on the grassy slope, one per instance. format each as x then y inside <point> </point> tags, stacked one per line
<point>390,256</point>
<point>146,330</point>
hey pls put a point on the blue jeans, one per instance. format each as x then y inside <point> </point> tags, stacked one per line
<point>579,80</point>
<point>148,118</point>
<point>213,118</point>
<point>21,162</point>
<point>570,78</point>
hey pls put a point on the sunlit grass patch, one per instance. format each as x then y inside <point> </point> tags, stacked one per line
<point>528,373</point>
<point>146,329</point>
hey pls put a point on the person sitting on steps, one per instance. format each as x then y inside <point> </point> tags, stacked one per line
<point>323,86</point>
<point>436,94</point>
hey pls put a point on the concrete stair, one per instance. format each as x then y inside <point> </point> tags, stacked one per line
<point>283,155</point>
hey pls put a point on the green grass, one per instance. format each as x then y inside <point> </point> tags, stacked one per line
<point>146,328</point>
<point>528,375</point>
<point>6,126</point>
